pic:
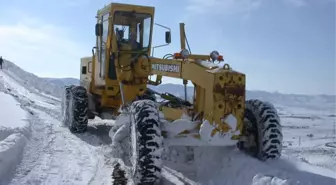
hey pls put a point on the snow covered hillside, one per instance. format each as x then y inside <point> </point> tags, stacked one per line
<point>60,82</point>
<point>31,81</point>
<point>36,148</point>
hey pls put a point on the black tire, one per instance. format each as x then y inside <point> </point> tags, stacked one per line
<point>146,127</point>
<point>262,127</point>
<point>77,109</point>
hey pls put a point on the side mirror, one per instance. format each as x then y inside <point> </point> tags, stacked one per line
<point>84,70</point>
<point>99,29</point>
<point>168,37</point>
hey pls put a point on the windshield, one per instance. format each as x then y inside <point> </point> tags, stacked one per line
<point>132,30</point>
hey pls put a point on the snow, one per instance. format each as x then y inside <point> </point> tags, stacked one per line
<point>241,169</point>
<point>308,155</point>
<point>119,135</point>
<point>14,130</point>
<point>56,156</point>
<point>36,148</point>
<point>12,115</point>
<point>49,154</point>
<point>176,177</point>
<point>261,179</point>
<point>31,82</point>
<point>231,120</point>
<point>177,126</point>
<point>219,139</point>
<point>10,153</point>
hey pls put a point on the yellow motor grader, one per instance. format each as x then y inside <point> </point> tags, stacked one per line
<point>117,77</point>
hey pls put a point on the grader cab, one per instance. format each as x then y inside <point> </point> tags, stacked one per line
<point>116,80</point>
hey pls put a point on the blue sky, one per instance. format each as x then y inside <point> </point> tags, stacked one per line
<point>281,45</point>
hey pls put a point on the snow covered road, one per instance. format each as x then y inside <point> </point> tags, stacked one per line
<point>14,131</point>
<point>36,149</point>
<point>52,155</point>
<point>241,169</point>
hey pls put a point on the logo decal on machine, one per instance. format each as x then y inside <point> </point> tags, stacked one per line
<point>166,67</point>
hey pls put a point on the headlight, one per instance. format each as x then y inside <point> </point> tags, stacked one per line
<point>184,53</point>
<point>214,55</point>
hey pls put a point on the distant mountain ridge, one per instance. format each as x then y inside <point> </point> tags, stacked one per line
<point>63,81</point>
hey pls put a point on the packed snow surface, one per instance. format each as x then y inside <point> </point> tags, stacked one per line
<point>12,116</point>
<point>36,148</point>
<point>217,139</point>
<point>13,132</point>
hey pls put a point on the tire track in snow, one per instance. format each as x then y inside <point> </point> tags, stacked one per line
<point>38,161</point>
<point>44,158</point>
<point>54,156</point>
<point>42,150</point>
<point>172,176</point>
<point>331,144</point>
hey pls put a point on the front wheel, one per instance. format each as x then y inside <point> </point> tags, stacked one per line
<point>262,132</point>
<point>146,143</point>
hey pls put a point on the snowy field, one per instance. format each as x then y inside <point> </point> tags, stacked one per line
<point>35,148</point>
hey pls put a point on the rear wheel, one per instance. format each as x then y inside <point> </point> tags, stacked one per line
<point>146,143</point>
<point>77,107</point>
<point>262,131</point>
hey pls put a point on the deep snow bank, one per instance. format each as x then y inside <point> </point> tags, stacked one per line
<point>10,153</point>
<point>226,166</point>
<point>51,147</point>
<point>14,130</point>
<point>11,114</point>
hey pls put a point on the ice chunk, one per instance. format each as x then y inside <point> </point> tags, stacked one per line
<point>219,139</point>
<point>231,121</point>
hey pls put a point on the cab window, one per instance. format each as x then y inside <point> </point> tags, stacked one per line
<point>133,30</point>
